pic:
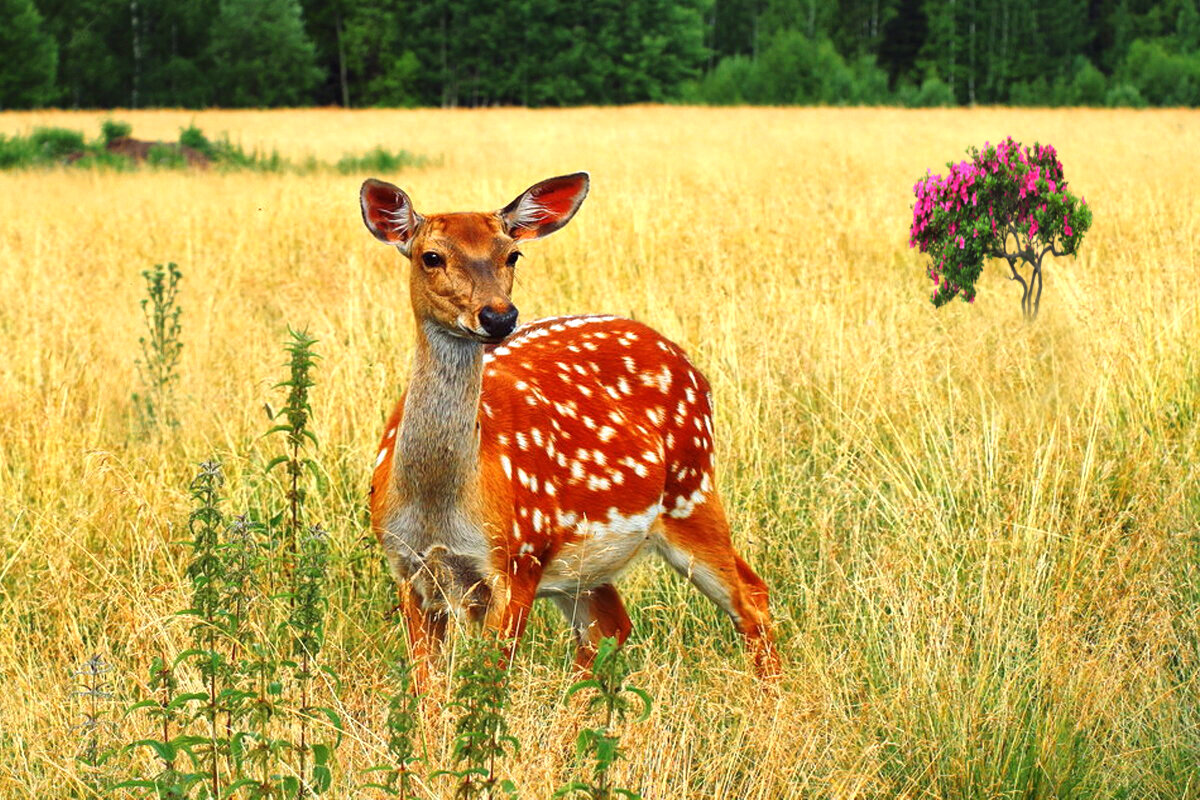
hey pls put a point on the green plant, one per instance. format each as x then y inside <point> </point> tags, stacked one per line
<point>306,624</point>
<point>481,733</point>
<point>114,129</point>
<point>16,151</point>
<point>256,753</point>
<point>616,700</point>
<point>167,156</point>
<point>1008,202</point>
<point>397,777</point>
<point>95,727</point>
<point>53,144</point>
<point>242,557</point>
<point>167,710</point>
<point>193,137</point>
<point>295,413</point>
<point>207,573</point>
<point>380,160</point>
<point>161,346</point>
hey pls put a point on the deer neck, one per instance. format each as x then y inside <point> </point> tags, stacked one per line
<point>437,452</point>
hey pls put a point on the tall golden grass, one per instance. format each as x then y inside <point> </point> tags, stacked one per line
<point>981,535</point>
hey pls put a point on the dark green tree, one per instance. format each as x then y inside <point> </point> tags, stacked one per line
<point>381,70</point>
<point>260,54</point>
<point>94,51</point>
<point>28,57</point>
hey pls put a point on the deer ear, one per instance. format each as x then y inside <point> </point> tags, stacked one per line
<point>545,207</point>
<point>388,213</point>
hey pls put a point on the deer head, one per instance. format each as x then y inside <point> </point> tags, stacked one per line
<point>463,264</point>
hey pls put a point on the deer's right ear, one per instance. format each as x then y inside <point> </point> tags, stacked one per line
<point>388,213</point>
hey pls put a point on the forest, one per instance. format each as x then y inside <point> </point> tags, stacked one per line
<point>471,53</point>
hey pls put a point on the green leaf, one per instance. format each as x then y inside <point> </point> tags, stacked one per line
<point>276,461</point>
<point>184,699</point>
<point>646,701</point>
<point>590,683</point>
<point>322,779</point>
<point>134,784</point>
<point>164,750</point>
<point>140,705</point>
<point>333,718</point>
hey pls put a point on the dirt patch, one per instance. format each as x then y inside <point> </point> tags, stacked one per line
<point>139,150</point>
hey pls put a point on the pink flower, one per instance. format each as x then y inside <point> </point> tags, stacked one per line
<point>1067,230</point>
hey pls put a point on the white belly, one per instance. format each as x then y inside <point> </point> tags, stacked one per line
<point>600,551</point>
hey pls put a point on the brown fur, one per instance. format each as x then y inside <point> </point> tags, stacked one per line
<point>471,496</point>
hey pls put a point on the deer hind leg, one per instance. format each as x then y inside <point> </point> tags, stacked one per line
<point>594,614</point>
<point>699,547</point>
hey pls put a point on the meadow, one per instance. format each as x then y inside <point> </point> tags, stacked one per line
<point>982,536</point>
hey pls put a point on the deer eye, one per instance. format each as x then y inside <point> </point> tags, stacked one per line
<point>432,259</point>
<point>512,258</point>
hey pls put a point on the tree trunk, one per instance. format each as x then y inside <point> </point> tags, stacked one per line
<point>341,58</point>
<point>137,52</point>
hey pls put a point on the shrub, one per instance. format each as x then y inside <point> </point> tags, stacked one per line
<point>933,93</point>
<point>17,151</point>
<point>193,137</point>
<point>380,160</point>
<point>53,144</point>
<point>728,82</point>
<point>795,69</point>
<point>114,129</point>
<point>1088,84</point>
<point>1161,76</point>
<point>1007,192</point>
<point>165,155</point>
<point>1124,95</point>
<point>1031,93</point>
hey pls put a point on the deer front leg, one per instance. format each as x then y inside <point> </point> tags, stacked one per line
<point>425,629</point>
<point>513,593</point>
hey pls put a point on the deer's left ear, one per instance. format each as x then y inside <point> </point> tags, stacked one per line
<point>545,207</point>
<point>389,214</point>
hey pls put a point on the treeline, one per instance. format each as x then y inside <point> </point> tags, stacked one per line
<point>198,53</point>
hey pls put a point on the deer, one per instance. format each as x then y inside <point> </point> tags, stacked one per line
<point>539,461</point>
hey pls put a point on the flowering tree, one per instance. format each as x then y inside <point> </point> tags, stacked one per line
<point>1009,202</point>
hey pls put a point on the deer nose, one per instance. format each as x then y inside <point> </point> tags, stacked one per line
<point>498,324</point>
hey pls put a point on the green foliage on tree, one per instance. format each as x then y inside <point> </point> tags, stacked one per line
<point>28,57</point>
<point>1008,202</point>
<point>197,53</point>
<point>260,54</point>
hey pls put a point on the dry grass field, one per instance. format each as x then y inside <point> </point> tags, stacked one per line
<point>982,537</point>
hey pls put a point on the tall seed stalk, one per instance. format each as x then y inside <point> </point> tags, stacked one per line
<point>295,413</point>
<point>161,346</point>
<point>207,573</point>
<point>94,688</point>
